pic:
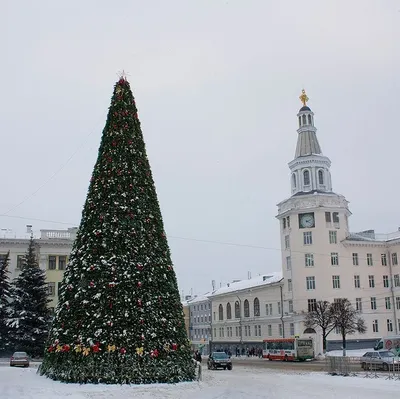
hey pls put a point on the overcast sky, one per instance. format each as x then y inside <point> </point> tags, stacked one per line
<point>217,85</point>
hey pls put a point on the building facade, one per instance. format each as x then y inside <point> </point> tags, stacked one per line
<point>321,258</point>
<point>200,333</point>
<point>246,312</point>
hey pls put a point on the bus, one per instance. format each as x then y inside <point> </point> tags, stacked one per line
<point>288,349</point>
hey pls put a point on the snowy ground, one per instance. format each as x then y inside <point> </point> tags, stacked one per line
<point>239,383</point>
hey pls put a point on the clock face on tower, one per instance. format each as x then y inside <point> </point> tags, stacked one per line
<point>306,220</point>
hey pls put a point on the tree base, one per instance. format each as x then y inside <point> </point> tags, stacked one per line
<point>119,370</point>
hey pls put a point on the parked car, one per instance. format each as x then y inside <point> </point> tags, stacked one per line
<point>19,359</point>
<point>219,360</point>
<point>384,360</point>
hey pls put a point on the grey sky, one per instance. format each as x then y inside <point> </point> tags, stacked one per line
<point>217,86</point>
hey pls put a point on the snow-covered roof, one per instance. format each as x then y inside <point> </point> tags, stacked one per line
<point>199,298</point>
<point>262,280</point>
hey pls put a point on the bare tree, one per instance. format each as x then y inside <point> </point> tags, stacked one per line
<point>347,320</point>
<point>321,315</point>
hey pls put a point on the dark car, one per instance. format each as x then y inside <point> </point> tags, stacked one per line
<point>219,360</point>
<point>19,359</point>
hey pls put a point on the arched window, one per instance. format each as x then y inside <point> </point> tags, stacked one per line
<point>309,119</point>
<point>294,183</point>
<point>306,177</point>
<point>320,177</point>
<point>304,120</point>
<point>299,121</point>
<point>228,311</point>
<point>256,306</point>
<point>220,312</point>
<point>237,310</point>
<point>246,308</point>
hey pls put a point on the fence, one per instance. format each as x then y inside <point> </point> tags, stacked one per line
<point>359,366</point>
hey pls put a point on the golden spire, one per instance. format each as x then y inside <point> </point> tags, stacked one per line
<point>303,97</point>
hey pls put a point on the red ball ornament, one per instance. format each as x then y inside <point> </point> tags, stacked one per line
<point>139,302</point>
<point>139,267</point>
<point>154,353</point>
<point>139,284</point>
<point>174,347</point>
<point>141,321</point>
<point>95,348</point>
<point>92,267</point>
<point>122,351</point>
<point>111,285</point>
<point>65,348</point>
<point>91,284</point>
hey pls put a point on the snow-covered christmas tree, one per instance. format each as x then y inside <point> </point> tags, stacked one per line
<point>119,317</point>
<point>30,317</point>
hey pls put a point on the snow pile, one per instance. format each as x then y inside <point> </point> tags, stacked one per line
<point>350,353</point>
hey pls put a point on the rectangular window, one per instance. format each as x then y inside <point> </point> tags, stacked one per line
<point>307,238</point>
<point>334,259</point>
<point>291,327</point>
<point>287,242</point>
<point>370,262</point>
<point>310,283</point>
<point>312,305</point>
<point>328,217</point>
<point>52,262</point>
<point>332,237</point>
<point>269,330</point>
<point>396,279</point>
<point>290,285</point>
<point>255,331</point>
<point>398,302</point>
<point>373,303</point>
<point>248,330</point>
<point>290,303</point>
<point>371,281</point>
<point>336,282</point>
<point>386,281</point>
<point>62,262</point>
<point>359,305</point>
<point>383,260</point>
<point>335,217</point>
<point>355,259</point>
<point>375,326</point>
<point>20,261</point>
<point>288,221</point>
<point>388,303</point>
<point>309,260</point>
<point>279,308</point>
<point>266,309</point>
<point>259,330</point>
<point>356,281</point>
<point>394,259</point>
<point>288,263</point>
<point>51,288</point>
<point>3,257</point>
<point>280,330</point>
<point>270,309</point>
<point>389,325</point>
<point>284,223</point>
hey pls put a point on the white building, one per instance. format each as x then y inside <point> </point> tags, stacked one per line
<point>321,258</point>
<point>247,311</point>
